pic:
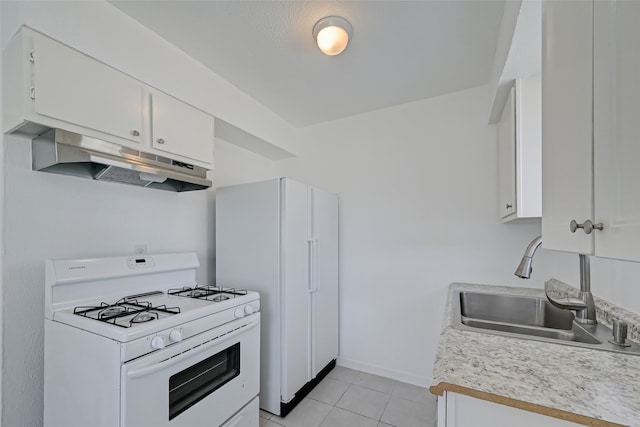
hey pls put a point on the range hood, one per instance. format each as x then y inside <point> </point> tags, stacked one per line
<point>67,153</point>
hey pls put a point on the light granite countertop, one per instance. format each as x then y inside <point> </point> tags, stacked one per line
<point>558,380</point>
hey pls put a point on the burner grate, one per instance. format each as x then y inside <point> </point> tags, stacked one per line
<point>126,312</point>
<point>209,293</point>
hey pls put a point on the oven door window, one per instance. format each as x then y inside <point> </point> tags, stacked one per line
<point>188,387</point>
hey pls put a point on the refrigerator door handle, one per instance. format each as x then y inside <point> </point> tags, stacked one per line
<point>312,247</point>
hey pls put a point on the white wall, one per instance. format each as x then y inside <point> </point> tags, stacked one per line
<point>418,210</point>
<point>235,165</point>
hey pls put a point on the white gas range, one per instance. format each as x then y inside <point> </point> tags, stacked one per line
<point>135,342</point>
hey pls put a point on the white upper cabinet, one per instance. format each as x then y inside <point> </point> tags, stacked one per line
<point>77,89</point>
<point>519,157</point>
<point>591,105</point>
<point>179,128</point>
<point>507,158</point>
<point>516,109</point>
<point>50,85</point>
<point>566,124</point>
<point>616,68</point>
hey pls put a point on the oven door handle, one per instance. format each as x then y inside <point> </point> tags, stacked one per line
<point>147,370</point>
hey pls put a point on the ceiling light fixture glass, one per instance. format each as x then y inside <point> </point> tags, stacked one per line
<point>332,34</point>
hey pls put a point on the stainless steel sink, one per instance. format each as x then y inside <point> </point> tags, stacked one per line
<point>529,317</point>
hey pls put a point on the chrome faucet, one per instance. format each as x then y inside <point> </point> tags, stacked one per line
<point>524,269</point>
<point>583,305</point>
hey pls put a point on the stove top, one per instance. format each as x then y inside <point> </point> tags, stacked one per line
<point>128,298</point>
<point>134,310</point>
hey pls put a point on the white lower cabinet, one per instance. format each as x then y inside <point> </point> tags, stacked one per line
<point>457,410</point>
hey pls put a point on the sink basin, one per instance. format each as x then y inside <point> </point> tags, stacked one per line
<point>521,315</point>
<point>529,317</point>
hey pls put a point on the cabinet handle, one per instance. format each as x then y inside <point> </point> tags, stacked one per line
<point>160,141</point>
<point>509,206</point>
<point>587,226</point>
<point>135,133</point>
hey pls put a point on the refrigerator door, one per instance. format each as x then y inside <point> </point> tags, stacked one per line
<point>323,233</point>
<point>294,288</point>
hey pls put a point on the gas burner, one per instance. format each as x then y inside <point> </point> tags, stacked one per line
<point>209,293</point>
<point>143,317</point>
<point>198,292</point>
<point>111,311</point>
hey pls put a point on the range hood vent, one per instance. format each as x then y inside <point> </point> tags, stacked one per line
<point>67,153</point>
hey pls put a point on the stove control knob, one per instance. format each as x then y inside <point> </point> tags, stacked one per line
<point>175,335</point>
<point>248,310</point>
<point>239,312</point>
<point>157,342</point>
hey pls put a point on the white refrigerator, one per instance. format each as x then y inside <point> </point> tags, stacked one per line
<point>280,238</point>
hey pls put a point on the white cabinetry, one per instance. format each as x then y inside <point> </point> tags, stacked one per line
<point>178,128</point>
<point>507,158</point>
<point>76,89</point>
<point>50,85</point>
<point>616,114</point>
<point>519,156</point>
<point>591,105</point>
<point>457,410</point>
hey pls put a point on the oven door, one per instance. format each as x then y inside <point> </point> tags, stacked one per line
<point>202,381</point>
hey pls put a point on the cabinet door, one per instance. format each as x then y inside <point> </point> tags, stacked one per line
<point>617,128</point>
<point>77,89</point>
<point>181,129</point>
<point>507,158</point>
<point>459,410</point>
<point>567,137</point>
<point>323,233</point>
<point>528,96</point>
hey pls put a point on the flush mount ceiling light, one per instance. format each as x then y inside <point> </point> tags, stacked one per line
<point>332,34</point>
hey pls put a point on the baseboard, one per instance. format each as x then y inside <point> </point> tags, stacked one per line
<point>402,376</point>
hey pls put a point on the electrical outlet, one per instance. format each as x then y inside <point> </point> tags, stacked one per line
<point>140,249</point>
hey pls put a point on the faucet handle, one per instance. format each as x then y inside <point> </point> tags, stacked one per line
<point>564,302</point>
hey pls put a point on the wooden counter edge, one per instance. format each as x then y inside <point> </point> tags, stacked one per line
<point>520,404</point>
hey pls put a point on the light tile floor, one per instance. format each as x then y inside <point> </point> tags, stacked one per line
<point>349,398</point>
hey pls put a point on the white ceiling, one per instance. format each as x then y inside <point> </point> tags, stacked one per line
<point>400,51</point>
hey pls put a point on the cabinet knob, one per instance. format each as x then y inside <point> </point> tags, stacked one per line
<point>587,226</point>
<point>160,141</point>
<point>509,206</point>
<point>135,133</point>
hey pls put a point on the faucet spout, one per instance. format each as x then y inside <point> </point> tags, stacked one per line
<point>525,268</point>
